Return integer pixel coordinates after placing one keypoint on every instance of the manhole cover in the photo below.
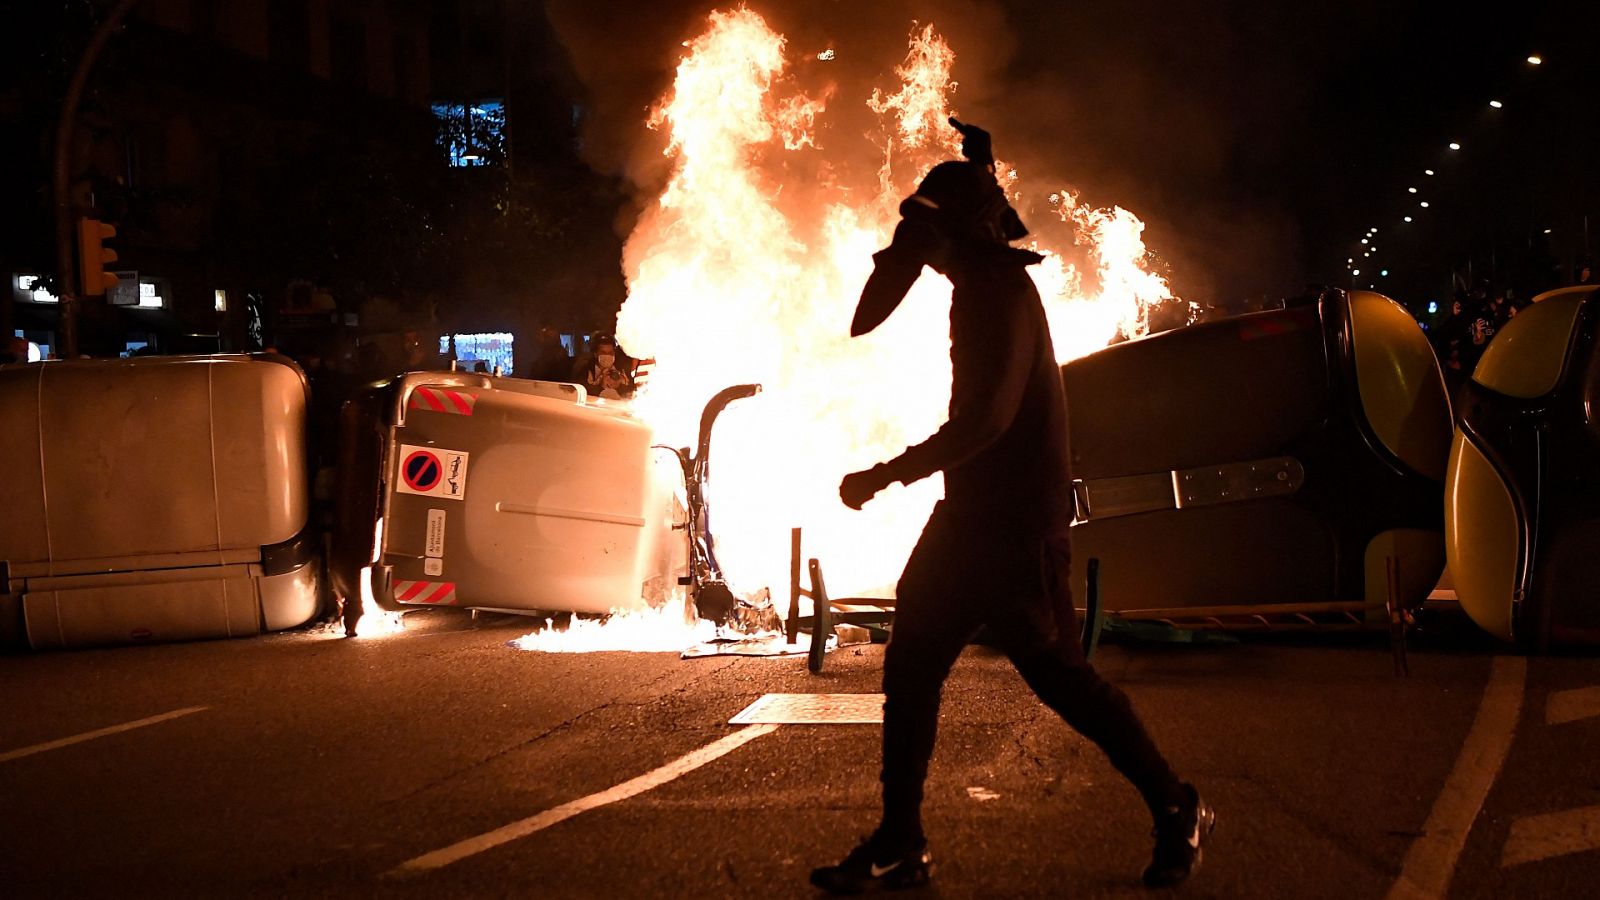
(813, 709)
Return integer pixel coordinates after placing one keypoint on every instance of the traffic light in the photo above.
(93, 256)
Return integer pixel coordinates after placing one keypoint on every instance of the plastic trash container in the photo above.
(1522, 509)
(154, 499)
(1263, 469)
(460, 489)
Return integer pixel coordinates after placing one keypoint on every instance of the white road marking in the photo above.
(1570, 706)
(99, 733)
(520, 829)
(812, 709)
(1431, 861)
(1550, 835)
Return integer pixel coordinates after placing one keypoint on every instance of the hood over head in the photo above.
(958, 207)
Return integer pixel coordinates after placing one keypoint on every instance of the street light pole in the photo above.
(66, 274)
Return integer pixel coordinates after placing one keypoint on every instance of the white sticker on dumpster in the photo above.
(435, 541)
(432, 472)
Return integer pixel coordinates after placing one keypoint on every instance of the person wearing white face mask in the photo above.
(606, 373)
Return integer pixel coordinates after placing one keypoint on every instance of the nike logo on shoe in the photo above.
(880, 871)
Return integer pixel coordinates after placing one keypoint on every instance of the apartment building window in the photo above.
(472, 134)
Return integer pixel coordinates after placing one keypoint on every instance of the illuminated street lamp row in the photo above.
(1533, 60)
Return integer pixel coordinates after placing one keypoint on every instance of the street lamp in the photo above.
(1427, 171)
(1496, 104)
(1408, 218)
(1535, 61)
(1424, 204)
(1412, 190)
(1454, 146)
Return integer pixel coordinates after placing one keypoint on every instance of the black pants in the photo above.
(965, 574)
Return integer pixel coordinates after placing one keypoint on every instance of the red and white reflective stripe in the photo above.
(440, 400)
(433, 593)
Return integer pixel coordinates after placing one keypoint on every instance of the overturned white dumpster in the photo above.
(153, 499)
(459, 489)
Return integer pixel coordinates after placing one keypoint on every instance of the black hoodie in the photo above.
(1004, 450)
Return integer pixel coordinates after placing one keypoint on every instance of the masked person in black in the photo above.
(995, 551)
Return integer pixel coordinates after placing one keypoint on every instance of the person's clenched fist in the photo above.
(859, 487)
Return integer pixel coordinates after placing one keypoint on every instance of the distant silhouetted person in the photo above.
(551, 362)
(415, 354)
(995, 551)
(1481, 327)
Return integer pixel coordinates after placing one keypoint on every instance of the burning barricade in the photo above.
(744, 271)
(747, 266)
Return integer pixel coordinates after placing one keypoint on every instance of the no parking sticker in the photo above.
(432, 472)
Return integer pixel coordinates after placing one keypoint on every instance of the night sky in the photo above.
(1258, 140)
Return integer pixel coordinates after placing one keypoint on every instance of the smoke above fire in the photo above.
(746, 265)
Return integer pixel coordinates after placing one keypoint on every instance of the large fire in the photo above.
(747, 269)
(730, 282)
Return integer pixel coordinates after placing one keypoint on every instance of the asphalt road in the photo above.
(309, 765)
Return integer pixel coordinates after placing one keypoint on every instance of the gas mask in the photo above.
(958, 206)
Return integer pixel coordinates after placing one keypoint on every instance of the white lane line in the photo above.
(1570, 706)
(99, 733)
(1550, 835)
(1431, 861)
(520, 829)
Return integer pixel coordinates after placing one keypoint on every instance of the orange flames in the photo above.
(748, 267)
(729, 283)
